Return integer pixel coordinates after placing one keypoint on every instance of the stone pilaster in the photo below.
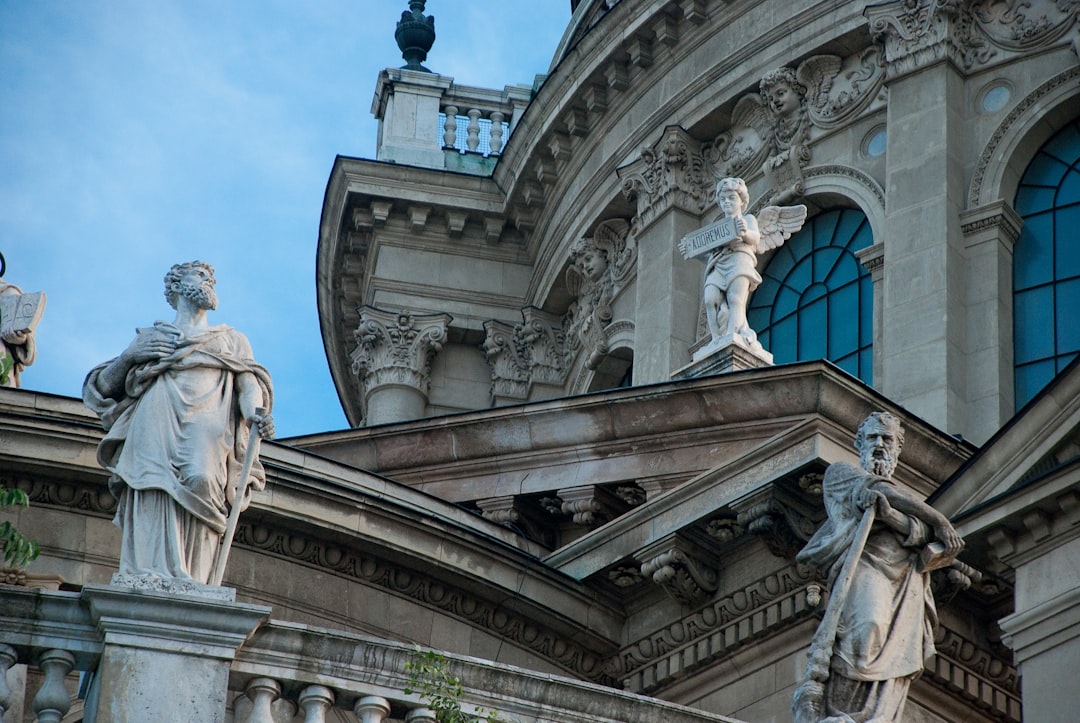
(873, 260)
(685, 567)
(393, 360)
(672, 190)
(923, 347)
(989, 232)
(165, 656)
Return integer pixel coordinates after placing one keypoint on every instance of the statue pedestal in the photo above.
(166, 654)
(730, 354)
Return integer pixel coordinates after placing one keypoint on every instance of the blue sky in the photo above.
(137, 134)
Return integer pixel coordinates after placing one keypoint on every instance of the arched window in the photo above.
(1046, 265)
(816, 301)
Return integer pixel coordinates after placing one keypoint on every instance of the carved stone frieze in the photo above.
(600, 266)
(683, 567)
(964, 668)
(729, 623)
(669, 174)
(915, 33)
(397, 347)
(351, 562)
(781, 520)
(772, 129)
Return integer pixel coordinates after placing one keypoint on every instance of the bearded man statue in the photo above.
(887, 617)
(178, 405)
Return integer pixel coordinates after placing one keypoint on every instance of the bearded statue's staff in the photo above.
(179, 406)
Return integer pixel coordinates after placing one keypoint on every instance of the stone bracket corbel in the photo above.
(783, 522)
(683, 565)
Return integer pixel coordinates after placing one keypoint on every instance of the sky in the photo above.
(136, 134)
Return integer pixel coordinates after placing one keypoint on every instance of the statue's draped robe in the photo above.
(174, 439)
(886, 628)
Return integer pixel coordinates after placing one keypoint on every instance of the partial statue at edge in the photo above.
(733, 244)
(19, 316)
(182, 406)
(879, 545)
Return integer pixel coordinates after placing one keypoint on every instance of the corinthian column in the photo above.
(393, 358)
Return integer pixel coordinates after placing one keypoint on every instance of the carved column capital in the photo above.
(545, 342)
(684, 567)
(669, 174)
(395, 348)
(993, 221)
(507, 355)
(873, 260)
(917, 33)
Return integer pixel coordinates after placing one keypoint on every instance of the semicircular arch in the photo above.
(1030, 123)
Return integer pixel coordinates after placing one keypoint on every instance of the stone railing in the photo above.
(479, 120)
(279, 671)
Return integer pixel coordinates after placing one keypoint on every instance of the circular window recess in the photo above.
(995, 96)
(873, 143)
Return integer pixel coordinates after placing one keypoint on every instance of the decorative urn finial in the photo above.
(415, 35)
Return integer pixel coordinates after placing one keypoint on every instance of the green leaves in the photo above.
(430, 679)
(17, 549)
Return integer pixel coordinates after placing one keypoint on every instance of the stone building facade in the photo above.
(535, 477)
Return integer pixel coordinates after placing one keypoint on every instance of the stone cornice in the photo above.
(620, 429)
(998, 216)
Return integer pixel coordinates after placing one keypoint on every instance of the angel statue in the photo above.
(733, 244)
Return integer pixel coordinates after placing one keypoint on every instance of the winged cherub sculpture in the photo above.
(732, 244)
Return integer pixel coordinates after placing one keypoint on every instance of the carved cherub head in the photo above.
(782, 92)
(732, 196)
(879, 440)
(193, 280)
(590, 259)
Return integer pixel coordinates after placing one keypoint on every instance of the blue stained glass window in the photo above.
(816, 301)
(1046, 265)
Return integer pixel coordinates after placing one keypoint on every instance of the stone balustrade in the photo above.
(279, 672)
(479, 120)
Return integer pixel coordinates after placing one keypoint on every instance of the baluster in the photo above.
(262, 692)
(372, 709)
(52, 701)
(314, 701)
(473, 130)
(496, 141)
(8, 658)
(449, 136)
(420, 715)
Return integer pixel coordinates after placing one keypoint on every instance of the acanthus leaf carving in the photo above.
(685, 568)
(669, 174)
(782, 522)
(507, 354)
(396, 347)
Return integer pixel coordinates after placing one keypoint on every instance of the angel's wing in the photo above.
(777, 223)
(817, 74)
(575, 280)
